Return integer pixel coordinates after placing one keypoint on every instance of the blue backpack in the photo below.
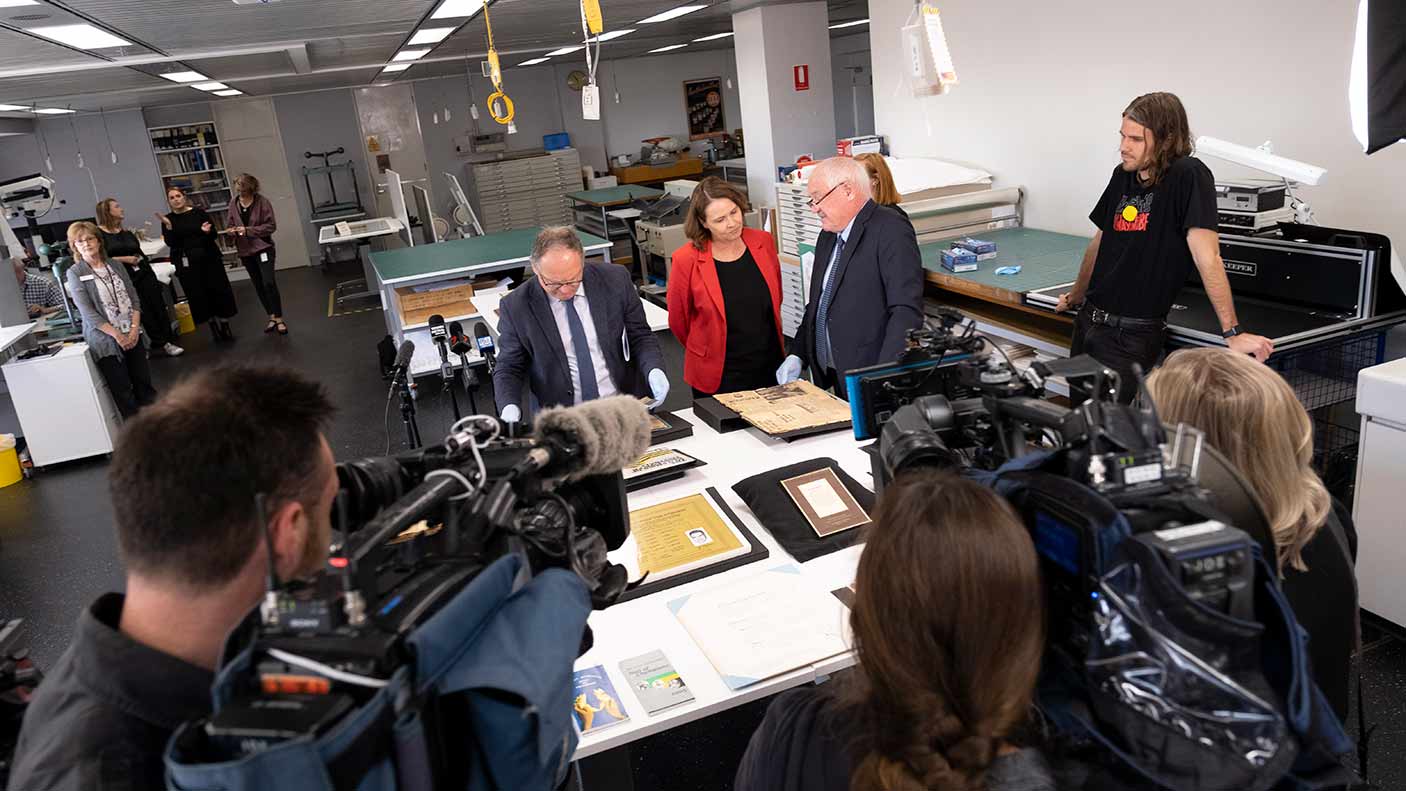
(499, 655)
(1170, 692)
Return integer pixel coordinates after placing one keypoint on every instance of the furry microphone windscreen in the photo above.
(611, 433)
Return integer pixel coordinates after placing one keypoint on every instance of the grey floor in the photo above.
(57, 551)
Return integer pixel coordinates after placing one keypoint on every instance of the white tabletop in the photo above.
(155, 248)
(736, 162)
(642, 625)
(9, 336)
(655, 316)
(360, 229)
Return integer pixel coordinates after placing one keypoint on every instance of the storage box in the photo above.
(556, 141)
(978, 246)
(865, 144)
(416, 308)
(958, 260)
(718, 417)
(602, 182)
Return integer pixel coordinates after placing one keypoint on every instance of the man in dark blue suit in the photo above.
(866, 289)
(575, 334)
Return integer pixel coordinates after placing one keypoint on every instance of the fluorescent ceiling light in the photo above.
(533, 62)
(671, 46)
(184, 76)
(410, 54)
(850, 24)
(563, 51)
(210, 86)
(230, 92)
(451, 9)
(715, 36)
(52, 111)
(672, 13)
(396, 67)
(616, 34)
(430, 35)
(12, 108)
(13, 3)
(82, 36)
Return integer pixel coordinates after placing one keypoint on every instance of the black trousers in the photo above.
(1118, 348)
(261, 275)
(128, 377)
(152, 302)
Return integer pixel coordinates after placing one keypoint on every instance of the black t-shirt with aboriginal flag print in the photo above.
(1143, 258)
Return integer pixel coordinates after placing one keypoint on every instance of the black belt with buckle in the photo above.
(1101, 316)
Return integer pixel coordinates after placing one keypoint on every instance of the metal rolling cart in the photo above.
(335, 208)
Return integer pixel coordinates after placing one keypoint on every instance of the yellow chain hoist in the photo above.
(495, 73)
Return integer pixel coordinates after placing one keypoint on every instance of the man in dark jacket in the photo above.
(866, 290)
(183, 480)
(575, 334)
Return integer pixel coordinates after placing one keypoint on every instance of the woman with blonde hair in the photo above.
(948, 623)
(112, 319)
(123, 246)
(881, 182)
(1252, 416)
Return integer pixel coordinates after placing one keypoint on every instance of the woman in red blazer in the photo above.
(725, 295)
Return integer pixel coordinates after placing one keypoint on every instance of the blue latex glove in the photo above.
(511, 414)
(659, 386)
(789, 371)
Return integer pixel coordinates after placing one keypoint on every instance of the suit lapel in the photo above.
(856, 232)
(601, 311)
(709, 267)
(547, 323)
(824, 248)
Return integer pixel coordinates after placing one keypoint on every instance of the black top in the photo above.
(123, 243)
(804, 744)
(103, 714)
(1324, 600)
(190, 245)
(1143, 258)
(244, 211)
(753, 349)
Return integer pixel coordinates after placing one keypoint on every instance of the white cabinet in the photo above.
(1377, 505)
(63, 405)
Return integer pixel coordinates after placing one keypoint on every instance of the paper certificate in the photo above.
(785, 408)
(657, 460)
(657, 423)
(825, 502)
(681, 535)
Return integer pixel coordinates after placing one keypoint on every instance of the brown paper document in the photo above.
(785, 408)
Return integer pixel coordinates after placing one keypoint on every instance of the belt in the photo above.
(1101, 316)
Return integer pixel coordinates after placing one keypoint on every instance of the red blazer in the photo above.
(696, 314)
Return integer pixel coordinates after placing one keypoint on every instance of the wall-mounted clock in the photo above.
(576, 80)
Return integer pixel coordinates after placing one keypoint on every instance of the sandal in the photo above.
(282, 328)
(271, 326)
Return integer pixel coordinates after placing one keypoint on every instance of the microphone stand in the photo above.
(470, 383)
(407, 408)
(446, 373)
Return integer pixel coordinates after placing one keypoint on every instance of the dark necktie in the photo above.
(823, 353)
(585, 364)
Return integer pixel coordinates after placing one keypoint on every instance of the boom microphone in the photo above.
(484, 341)
(595, 438)
(402, 357)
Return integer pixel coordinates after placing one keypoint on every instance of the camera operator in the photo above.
(1250, 414)
(183, 480)
(940, 692)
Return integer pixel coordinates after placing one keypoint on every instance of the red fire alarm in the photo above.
(802, 75)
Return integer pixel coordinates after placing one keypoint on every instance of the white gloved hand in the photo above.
(511, 414)
(659, 386)
(789, 371)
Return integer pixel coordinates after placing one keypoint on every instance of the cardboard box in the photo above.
(959, 260)
(602, 182)
(865, 144)
(416, 308)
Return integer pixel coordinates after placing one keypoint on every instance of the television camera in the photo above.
(415, 530)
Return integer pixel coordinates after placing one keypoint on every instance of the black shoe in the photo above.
(227, 330)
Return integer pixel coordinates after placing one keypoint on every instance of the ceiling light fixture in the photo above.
(714, 37)
(210, 86)
(184, 76)
(451, 9)
(82, 36)
(396, 67)
(616, 34)
(410, 54)
(230, 92)
(534, 61)
(563, 51)
(14, 3)
(672, 13)
(430, 35)
(671, 46)
(849, 24)
(12, 108)
(52, 111)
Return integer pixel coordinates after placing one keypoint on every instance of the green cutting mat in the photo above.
(609, 196)
(1045, 258)
(459, 254)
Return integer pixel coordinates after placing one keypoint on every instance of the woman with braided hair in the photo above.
(948, 624)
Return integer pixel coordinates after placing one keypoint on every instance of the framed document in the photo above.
(825, 502)
(682, 540)
(703, 101)
(667, 427)
(657, 465)
(790, 411)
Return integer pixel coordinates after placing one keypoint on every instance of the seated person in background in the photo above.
(881, 181)
(725, 295)
(183, 482)
(566, 346)
(866, 291)
(948, 624)
(40, 293)
(1250, 414)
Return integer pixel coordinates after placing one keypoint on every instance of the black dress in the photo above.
(155, 320)
(753, 349)
(199, 265)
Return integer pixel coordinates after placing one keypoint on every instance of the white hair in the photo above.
(841, 170)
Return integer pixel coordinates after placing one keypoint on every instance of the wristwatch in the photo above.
(1232, 332)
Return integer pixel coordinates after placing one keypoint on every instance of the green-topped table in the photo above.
(460, 259)
(606, 211)
(1045, 259)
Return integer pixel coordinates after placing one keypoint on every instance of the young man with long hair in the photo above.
(1156, 219)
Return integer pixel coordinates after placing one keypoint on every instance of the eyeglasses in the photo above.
(552, 285)
(815, 204)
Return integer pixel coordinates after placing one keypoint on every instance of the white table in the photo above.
(645, 624)
(362, 232)
(734, 164)
(155, 248)
(64, 408)
(9, 336)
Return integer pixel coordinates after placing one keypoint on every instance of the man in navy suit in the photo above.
(866, 289)
(576, 334)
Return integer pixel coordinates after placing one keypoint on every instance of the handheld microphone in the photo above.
(459, 343)
(440, 336)
(484, 341)
(595, 438)
(402, 358)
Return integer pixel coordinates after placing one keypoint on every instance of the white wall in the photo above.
(651, 96)
(1043, 86)
(853, 75)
